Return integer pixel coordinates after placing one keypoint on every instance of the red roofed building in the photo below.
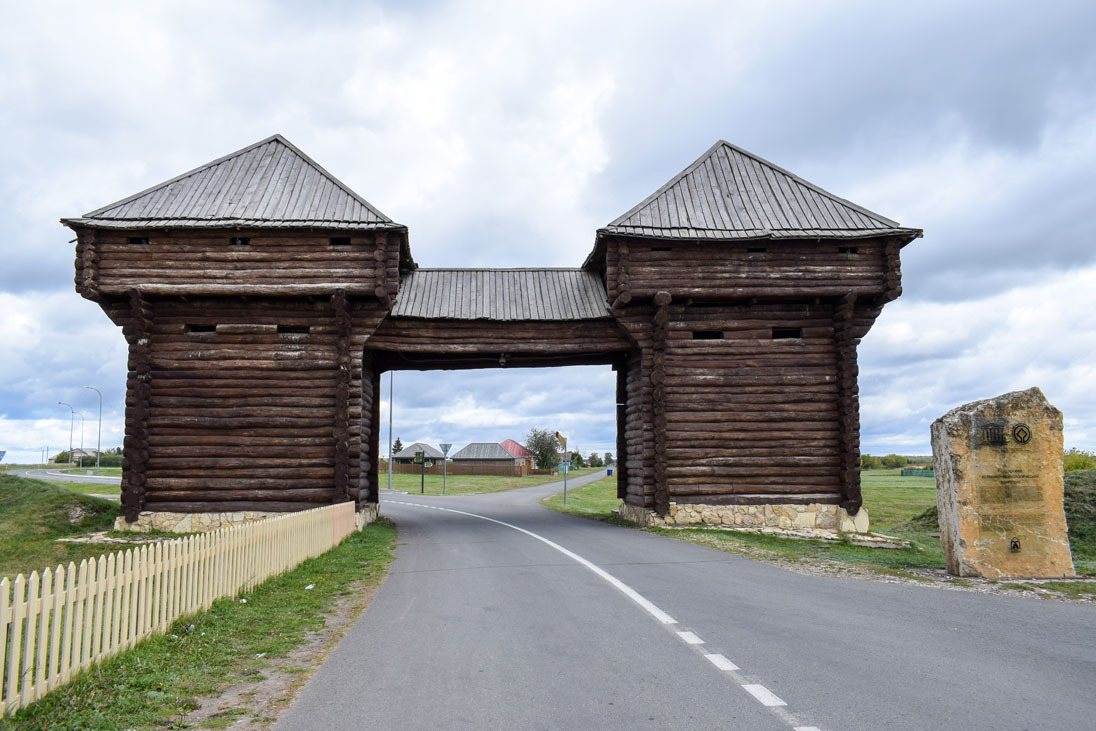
(522, 456)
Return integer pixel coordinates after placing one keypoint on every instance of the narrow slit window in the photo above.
(707, 334)
(240, 241)
(292, 329)
(660, 248)
(787, 333)
(756, 250)
(340, 241)
(847, 249)
(194, 329)
(138, 240)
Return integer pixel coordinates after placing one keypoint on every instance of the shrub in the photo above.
(1076, 459)
(868, 462)
(894, 461)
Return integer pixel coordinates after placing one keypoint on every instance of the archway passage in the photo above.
(262, 298)
(458, 319)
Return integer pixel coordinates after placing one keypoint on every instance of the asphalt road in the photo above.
(57, 476)
(483, 626)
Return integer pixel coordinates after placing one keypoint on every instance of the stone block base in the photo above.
(811, 516)
(367, 514)
(188, 522)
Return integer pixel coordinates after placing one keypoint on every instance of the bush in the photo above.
(894, 461)
(1076, 459)
(868, 462)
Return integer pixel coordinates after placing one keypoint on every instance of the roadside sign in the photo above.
(419, 456)
(428, 463)
(566, 464)
(445, 449)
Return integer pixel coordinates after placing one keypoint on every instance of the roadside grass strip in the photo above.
(760, 693)
(156, 683)
(471, 484)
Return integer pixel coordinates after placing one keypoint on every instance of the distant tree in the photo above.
(1075, 459)
(397, 446)
(608, 459)
(544, 446)
(594, 460)
(577, 462)
(894, 461)
(868, 462)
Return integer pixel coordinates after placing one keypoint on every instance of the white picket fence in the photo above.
(55, 624)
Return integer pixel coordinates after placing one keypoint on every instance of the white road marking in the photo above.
(763, 694)
(628, 591)
(721, 662)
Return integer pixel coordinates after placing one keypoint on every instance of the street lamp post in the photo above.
(72, 422)
(99, 438)
(80, 464)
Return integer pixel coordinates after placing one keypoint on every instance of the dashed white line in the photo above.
(806, 728)
(690, 638)
(721, 662)
(763, 694)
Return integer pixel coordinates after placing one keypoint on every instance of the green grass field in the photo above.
(472, 484)
(900, 506)
(34, 513)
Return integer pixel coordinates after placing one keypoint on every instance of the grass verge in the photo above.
(34, 513)
(103, 471)
(473, 484)
(89, 488)
(156, 683)
(900, 506)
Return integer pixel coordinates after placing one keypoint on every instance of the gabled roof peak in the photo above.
(268, 184)
(730, 193)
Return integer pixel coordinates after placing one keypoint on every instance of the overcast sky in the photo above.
(505, 135)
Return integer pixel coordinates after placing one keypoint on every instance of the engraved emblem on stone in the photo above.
(994, 433)
(1021, 433)
(1014, 545)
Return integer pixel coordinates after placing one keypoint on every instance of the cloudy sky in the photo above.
(504, 134)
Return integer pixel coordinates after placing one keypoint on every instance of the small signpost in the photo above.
(444, 464)
(566, 463)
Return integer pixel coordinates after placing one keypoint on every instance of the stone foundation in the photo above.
(368, 513)
(811, 516)
(203, 522)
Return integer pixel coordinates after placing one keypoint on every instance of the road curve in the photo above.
(488, 625)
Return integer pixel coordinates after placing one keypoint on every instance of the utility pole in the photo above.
(72, 422)
(444, 464)
(99, 439)
(391, 389)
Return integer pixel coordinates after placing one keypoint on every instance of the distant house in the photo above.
(407, 454)
(522, 456)
(484, 453)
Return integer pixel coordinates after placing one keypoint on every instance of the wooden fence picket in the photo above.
(57, 622)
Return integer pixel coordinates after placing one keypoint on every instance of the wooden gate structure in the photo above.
(262, 300)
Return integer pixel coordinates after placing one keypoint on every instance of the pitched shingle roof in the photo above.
(483, 450)
(501, 294)
(426, 449)
(732, 194)
(270, 184)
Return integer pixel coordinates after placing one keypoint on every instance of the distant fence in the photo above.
(918, 473)
(498, 470)
(54, 625)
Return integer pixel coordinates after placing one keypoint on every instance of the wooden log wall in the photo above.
(726, 271)
(138, 333)
(241, 416)
(271, 263)
(848, 390)
(749, 418)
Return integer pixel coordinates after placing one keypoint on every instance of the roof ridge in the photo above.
(497, 269)
(669, 184)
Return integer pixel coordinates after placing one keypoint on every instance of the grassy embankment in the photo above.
(473, 484)
(103, 471)
(156, 683)
(899, 506)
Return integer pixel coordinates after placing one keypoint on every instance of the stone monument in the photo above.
(999, 488)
